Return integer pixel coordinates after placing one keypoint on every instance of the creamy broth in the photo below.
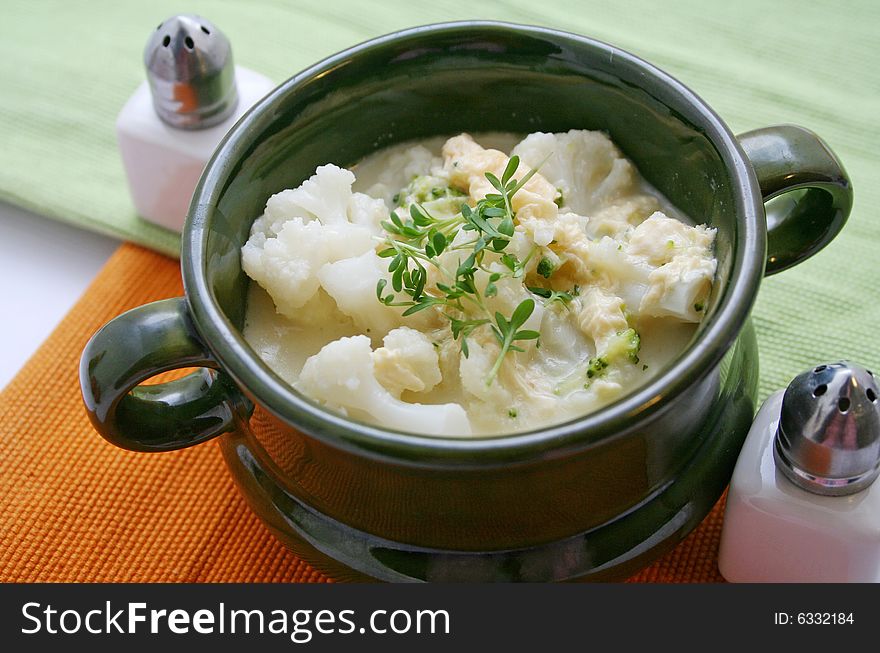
(632, 272)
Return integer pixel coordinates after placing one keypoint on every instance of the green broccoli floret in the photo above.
(422, 188)
(625, 344)
(546, 267)
(433, 193)
(425, 188)
(597, 367)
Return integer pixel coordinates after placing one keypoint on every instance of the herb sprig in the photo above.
(415, 243)
(508, 331)
(551, 296)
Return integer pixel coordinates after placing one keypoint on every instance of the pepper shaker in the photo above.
(171, 125)
(803, 505)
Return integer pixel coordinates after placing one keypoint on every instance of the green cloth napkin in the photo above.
(67, 68)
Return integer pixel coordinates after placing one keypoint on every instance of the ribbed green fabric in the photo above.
(67, 67)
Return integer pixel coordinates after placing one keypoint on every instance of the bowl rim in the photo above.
(609, 423)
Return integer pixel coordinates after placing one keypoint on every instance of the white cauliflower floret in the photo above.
(619, 218)
(368, 212)
(286, 265)
(538, 231)
(608, 259)
(585, 165)
(303, 229)
(520, 245)
(324, 196)
(266, 227)
(679, 289)
(474, 370)
(405, 163)
(564, 229)
(408, 361)
(659, 239)
(467, 162)
(624, 275)
(320, 311)
(410, 162)
(563, 345)
(566, 240)
(351, 282)
(342, 376)
(571, 230)
(521, 386)
(327, 197)
(601, 317)
(510, 294)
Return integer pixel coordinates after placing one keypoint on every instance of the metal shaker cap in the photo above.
(190, 72)
(828, 440)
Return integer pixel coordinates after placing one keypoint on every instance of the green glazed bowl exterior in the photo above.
(414, 507)
(595, 498)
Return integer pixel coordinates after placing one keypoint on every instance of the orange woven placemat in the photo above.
(74, 508)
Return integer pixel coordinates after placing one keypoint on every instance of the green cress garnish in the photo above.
(413, 243)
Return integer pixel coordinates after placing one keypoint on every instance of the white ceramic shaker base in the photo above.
(775, 531)
(163, 163)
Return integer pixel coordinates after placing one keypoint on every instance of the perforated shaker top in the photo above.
(828, 440)
(190, 72)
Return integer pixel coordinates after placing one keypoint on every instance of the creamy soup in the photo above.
(468, 286)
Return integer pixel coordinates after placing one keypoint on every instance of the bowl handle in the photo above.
(137, 345)
(789, 158)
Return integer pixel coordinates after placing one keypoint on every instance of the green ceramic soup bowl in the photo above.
(595, 498)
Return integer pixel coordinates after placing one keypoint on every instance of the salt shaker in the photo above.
(803, 504)
(171, 125)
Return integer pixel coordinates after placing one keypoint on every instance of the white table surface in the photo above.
(45, 266)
